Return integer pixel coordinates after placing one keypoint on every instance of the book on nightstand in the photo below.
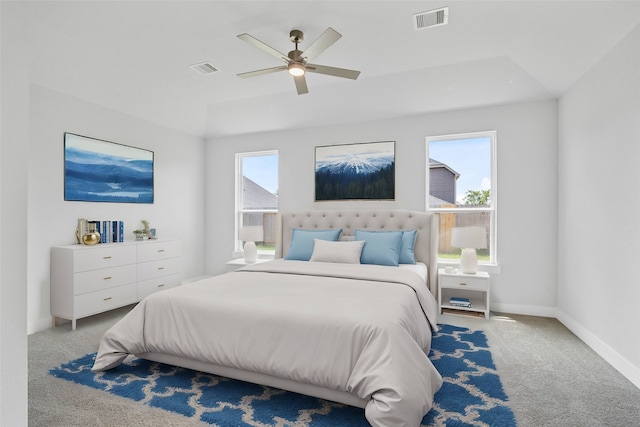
(460, 302)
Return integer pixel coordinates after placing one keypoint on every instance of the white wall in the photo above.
(177, 211)
(14, 143)
(527, 174)
(599, 207)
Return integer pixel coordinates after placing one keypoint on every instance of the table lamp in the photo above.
(469, 239)
(250, 235)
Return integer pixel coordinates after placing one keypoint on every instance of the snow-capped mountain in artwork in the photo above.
(355, 164)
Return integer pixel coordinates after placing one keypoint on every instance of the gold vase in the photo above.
(92, 237)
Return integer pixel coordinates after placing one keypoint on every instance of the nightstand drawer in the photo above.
(464, 282)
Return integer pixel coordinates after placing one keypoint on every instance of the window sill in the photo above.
(261, 254)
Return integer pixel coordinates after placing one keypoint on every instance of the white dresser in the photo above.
(87, 280)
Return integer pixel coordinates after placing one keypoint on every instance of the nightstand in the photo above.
(237, 263)
(474, 287)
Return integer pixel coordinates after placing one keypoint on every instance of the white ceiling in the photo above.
(134, 56)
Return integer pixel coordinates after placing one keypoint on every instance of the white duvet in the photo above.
(363, 329)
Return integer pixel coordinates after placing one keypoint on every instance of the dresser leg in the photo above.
(53, 321)
(73, 324)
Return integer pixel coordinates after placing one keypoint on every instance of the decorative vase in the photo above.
(92, 237)
(79, 230)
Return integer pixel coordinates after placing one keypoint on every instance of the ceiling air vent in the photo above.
(204, 68)
(432, 18)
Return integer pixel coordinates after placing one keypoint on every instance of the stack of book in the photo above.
(459, 302)
(110, 231)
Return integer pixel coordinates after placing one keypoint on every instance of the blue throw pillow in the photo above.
(407, 253)
(302, 242)
(380, 247)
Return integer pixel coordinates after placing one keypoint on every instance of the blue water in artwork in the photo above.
(95, 177)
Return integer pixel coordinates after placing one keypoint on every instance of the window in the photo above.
(462, 188)
(257, 197)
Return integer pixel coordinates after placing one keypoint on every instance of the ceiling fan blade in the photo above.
(263, 47)
(333, 71)
(301, 85)
(261, 72)
(326, 39)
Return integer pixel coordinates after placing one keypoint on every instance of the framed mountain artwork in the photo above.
(363, 171)
(103, 171)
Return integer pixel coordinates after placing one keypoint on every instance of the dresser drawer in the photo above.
(159, 250)
(464, 282)
(107, 299)
(103, 257)
(163, 267)
(149, 287)
(95, 280)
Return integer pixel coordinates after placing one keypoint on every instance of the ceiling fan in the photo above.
(298, 62)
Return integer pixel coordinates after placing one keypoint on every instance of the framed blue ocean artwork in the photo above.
(103, 171)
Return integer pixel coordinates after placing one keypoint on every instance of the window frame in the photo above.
(492, 209)
(238, 207)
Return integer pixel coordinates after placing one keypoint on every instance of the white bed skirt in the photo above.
(257, 378)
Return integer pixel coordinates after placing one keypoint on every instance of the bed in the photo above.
(357, 334)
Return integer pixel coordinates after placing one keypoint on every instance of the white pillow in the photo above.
(342, 252)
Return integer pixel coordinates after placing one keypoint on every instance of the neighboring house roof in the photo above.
(437, 164)
(256, 197)
(442, 184)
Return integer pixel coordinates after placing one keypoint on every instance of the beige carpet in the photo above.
(550, 376)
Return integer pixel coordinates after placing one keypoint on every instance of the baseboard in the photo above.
(527, 310)
(38, 325)
(622, 365)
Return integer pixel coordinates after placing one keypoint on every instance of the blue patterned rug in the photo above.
(471, 395)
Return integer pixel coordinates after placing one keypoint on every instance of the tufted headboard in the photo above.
(426, 248)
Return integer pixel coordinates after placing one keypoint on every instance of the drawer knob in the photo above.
(463, 284)
(160, 250)
(106, 257)
(107, 278)
(107, 298)
(160, 268)
(161, 285)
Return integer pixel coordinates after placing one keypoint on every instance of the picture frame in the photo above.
(96, 170)
(359, 171)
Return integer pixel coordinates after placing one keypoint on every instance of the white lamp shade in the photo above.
(251, 233)
(469, 237)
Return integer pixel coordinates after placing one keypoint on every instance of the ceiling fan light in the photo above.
(296, 69)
